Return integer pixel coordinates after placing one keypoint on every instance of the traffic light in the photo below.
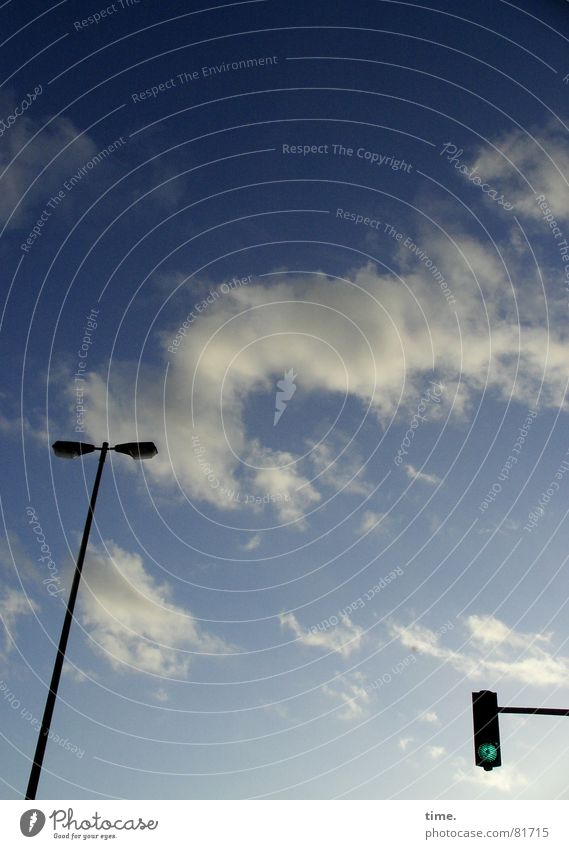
(486, 729)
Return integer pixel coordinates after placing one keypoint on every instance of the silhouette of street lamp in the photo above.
(70, 450)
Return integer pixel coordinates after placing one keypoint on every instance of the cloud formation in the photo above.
(415, 474)
(133, 621)
(371, 338)
(252, 543)
(372, 521)
(28, 148)
(436, 752)
(505, 780)
(352, 693)
(343, 639)
(494, 651)
(430, 717)
(526, 165)
(13, 606)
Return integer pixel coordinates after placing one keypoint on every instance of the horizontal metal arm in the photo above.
(543, 711)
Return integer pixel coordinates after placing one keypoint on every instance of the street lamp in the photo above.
(70, 450)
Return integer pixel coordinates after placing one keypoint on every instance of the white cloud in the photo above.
(419, 639)
(13, 424)
(415, 474)
(404, 743)
(338, 465)
(279, 709)
(495, 652)
(22, 160)
(253, 543)
(133, 621)
(429, 716)
(76, 674)
(10, 427)
(14, 558)
(505, 780)
(490, 631)
(161, 695)
(379, 337)
(521, 159)
(344, 638)
(505, 528)
(282, 483)
(373, 521)
(436, 752)
(352, 693)
(13, 605)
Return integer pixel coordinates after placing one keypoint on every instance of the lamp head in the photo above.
(70, 450)
(137, 450)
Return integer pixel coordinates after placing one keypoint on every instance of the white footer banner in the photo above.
(285, 824)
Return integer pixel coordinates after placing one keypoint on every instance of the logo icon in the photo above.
(32, 822)
(286, 389)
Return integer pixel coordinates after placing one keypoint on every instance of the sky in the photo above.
(319, 254)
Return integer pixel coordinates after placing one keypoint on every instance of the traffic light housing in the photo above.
(486, 729)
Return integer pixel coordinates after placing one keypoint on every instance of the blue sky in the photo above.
(361, 214)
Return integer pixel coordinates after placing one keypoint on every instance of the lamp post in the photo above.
(70, 450)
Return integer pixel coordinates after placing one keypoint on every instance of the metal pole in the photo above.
(58, 666)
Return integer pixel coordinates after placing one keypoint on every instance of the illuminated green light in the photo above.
(488, 752)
